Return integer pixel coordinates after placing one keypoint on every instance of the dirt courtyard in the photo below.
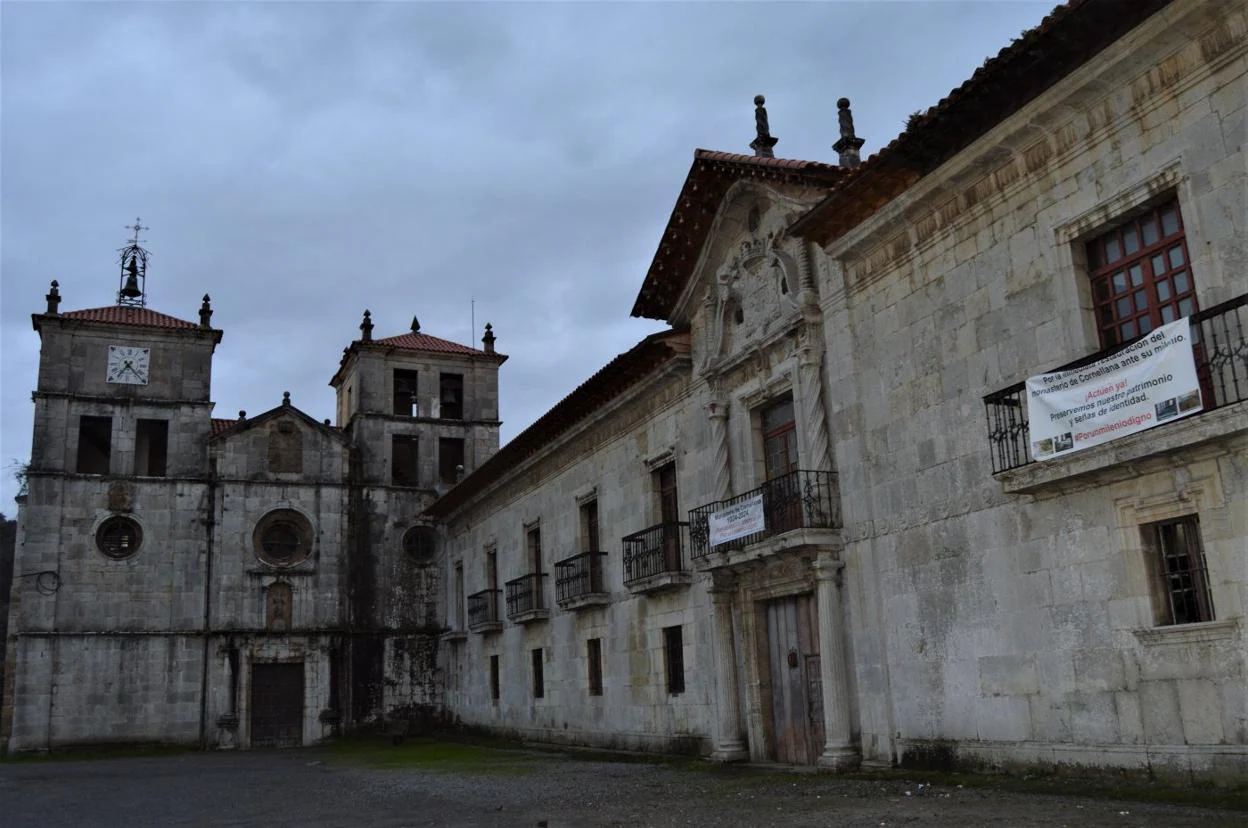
(424, 783)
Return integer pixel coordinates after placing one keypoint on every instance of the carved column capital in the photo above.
(828, 568)
(723, 586)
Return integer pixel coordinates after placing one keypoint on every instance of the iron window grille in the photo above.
(119, 537)
(1182, 577)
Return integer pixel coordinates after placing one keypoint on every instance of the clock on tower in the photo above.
(128, 365)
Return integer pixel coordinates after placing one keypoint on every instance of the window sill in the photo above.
(1120, 459)
(1188, 633)
(455, 636)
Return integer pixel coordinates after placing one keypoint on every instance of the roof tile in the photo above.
(121, 315)
(425, 342)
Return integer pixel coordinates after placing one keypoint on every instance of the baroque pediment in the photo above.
(752, 283)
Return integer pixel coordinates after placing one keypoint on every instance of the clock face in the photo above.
(128, 365)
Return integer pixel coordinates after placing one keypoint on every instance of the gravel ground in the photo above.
(515, 788)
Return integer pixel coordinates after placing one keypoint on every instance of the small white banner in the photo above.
(1148, 383)
(737, 521)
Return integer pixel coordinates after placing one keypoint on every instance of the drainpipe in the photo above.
(210, 524)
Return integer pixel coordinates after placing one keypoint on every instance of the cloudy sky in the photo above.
(304, 161)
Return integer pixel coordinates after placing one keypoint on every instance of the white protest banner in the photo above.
(1148, 383)
(737, 521)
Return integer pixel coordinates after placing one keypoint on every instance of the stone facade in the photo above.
(906, 602)
(233, 583)
(1009, 618)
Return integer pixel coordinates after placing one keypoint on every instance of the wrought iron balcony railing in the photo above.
(524, 594)
(579, 576)
(656, 550)
(483, 609)
(797, 500)
(1220, 347)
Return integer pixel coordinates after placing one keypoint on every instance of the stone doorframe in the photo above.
(738, 594)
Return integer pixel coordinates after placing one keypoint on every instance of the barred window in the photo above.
(1181, 580)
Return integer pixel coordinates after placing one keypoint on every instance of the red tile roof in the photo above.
(759, 161)
(219, 426)
(1070, 36)
(709, 179)
(425, 342)
(120, 315)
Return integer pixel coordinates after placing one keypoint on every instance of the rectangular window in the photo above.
(95, 441)
(405, 393)
(451, 396)
(589, 527)
(1181, 581)
(404, 460)
(779, 439)
(674, 657)
(1140, 275)
(457, 587)
(593, 653)
(494, 678)
(151, 447)
(533, 546)
(539, 680)
(665, 488)
(450, 459)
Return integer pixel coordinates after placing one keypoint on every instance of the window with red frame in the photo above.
(1140, 275)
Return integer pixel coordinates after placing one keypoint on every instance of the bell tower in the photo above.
(117, 507)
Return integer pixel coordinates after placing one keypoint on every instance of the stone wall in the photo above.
(1019, 627)
(609, 458)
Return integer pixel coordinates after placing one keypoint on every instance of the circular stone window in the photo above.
(119, 537)
(419, 542)
(283, 538)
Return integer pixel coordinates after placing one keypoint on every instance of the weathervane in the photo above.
(132, 284)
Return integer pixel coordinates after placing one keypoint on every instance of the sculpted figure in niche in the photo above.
(278, 609)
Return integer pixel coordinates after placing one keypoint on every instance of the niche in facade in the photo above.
(285, 448)
(279, 600)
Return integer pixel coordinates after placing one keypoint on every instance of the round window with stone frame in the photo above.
(283, 537)
(119, 537)
(420, 544)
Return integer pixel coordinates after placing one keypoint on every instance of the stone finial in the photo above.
(205, 313)
(286, 399)
(367, 327)
(488, 339)
(54, 299)
(326, 421)
(415, 325)
(848, 145)
(763, 141)
(242, 415)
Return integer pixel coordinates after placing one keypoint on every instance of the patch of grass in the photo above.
(435, 755)
(1093, 785)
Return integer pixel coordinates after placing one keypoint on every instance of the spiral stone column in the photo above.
(814, 420)
(721, 471)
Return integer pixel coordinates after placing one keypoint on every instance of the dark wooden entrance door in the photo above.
(796, 686)
(277, 705)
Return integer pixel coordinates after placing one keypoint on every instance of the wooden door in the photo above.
(796, 685)
(277, 705)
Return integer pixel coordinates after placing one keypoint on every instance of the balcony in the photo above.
(525, 599)
(794, 502)
(579, 581)
(655, 559)
(483, 614)
(1219, 339)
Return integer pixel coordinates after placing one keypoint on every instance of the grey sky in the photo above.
(303, 161)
